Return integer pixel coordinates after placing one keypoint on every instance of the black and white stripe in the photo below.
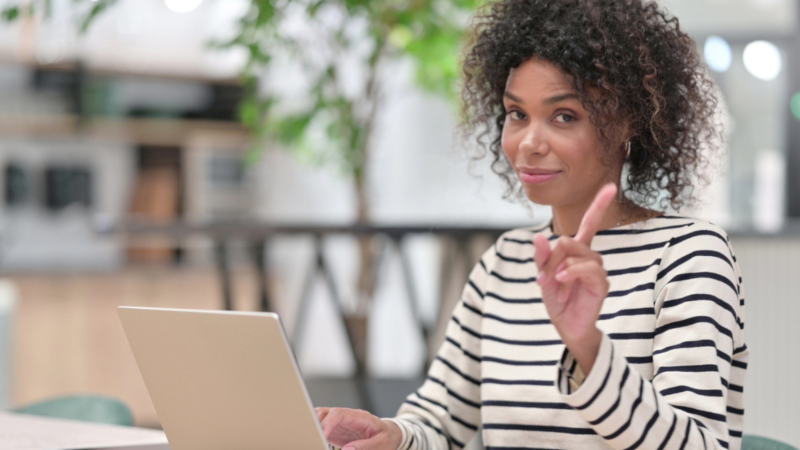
(669, 375)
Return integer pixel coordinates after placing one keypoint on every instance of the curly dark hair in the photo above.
(636, 63)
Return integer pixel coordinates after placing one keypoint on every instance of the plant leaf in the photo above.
(98, 8)
(10, 13)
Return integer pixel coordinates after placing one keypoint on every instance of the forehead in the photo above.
(537, 77)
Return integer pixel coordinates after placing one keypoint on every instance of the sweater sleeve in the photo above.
(695, 399)
(444, 413)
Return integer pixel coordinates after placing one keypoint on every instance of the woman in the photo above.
(627, 335)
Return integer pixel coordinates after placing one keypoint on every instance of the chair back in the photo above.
(750, 442)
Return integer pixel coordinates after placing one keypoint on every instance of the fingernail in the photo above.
(561, 276)
(542, 278)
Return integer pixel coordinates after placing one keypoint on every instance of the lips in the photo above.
(537, 176)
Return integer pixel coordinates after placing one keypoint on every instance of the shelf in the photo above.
(144, 131)
(73, 66)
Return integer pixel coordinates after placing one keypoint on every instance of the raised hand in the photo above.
(353, 429)
(574, 283)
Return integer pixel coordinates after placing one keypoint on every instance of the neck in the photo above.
(567, 218)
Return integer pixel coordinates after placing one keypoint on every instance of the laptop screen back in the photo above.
(222, 379)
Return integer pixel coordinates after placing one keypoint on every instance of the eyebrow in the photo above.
(548, 101)
(560, 98)
(512, 97)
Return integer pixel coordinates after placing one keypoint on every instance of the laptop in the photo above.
(222, 379)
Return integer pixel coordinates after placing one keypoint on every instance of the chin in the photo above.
(543, 196)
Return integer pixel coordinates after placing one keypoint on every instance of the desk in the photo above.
(26, 432)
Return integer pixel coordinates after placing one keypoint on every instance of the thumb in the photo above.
(372, 443)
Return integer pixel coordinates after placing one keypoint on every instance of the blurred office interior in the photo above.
(136, 122)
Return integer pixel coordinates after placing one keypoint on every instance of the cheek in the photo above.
(581, 155)
(573, 158)
(509, 144)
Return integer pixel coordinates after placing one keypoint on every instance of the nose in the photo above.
(533, 142)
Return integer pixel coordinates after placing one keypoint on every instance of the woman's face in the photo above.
(548, 138)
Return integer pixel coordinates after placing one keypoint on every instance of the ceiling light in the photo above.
(717, 53)
(762, 59)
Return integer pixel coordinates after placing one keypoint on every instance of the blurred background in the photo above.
(216, 154)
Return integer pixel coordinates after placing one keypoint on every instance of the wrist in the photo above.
(586, 348)
(395, 433)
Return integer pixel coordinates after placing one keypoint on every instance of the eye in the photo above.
(515, 114)
(564, 118)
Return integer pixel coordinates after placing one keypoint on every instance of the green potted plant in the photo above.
(429, 32)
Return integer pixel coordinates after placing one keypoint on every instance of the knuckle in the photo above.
(573, 260)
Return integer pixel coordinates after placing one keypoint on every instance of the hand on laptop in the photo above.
(354, 429)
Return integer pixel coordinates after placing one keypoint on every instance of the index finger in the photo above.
(593, 216)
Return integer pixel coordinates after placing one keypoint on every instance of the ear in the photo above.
(626, 137)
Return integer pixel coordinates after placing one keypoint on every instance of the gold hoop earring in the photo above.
(628, 150)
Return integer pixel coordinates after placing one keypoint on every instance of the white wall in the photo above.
(770, 267)
(746, 17)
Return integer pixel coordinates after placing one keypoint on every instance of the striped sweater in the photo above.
(669, 373)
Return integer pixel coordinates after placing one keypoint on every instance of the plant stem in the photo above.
(366, 245)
